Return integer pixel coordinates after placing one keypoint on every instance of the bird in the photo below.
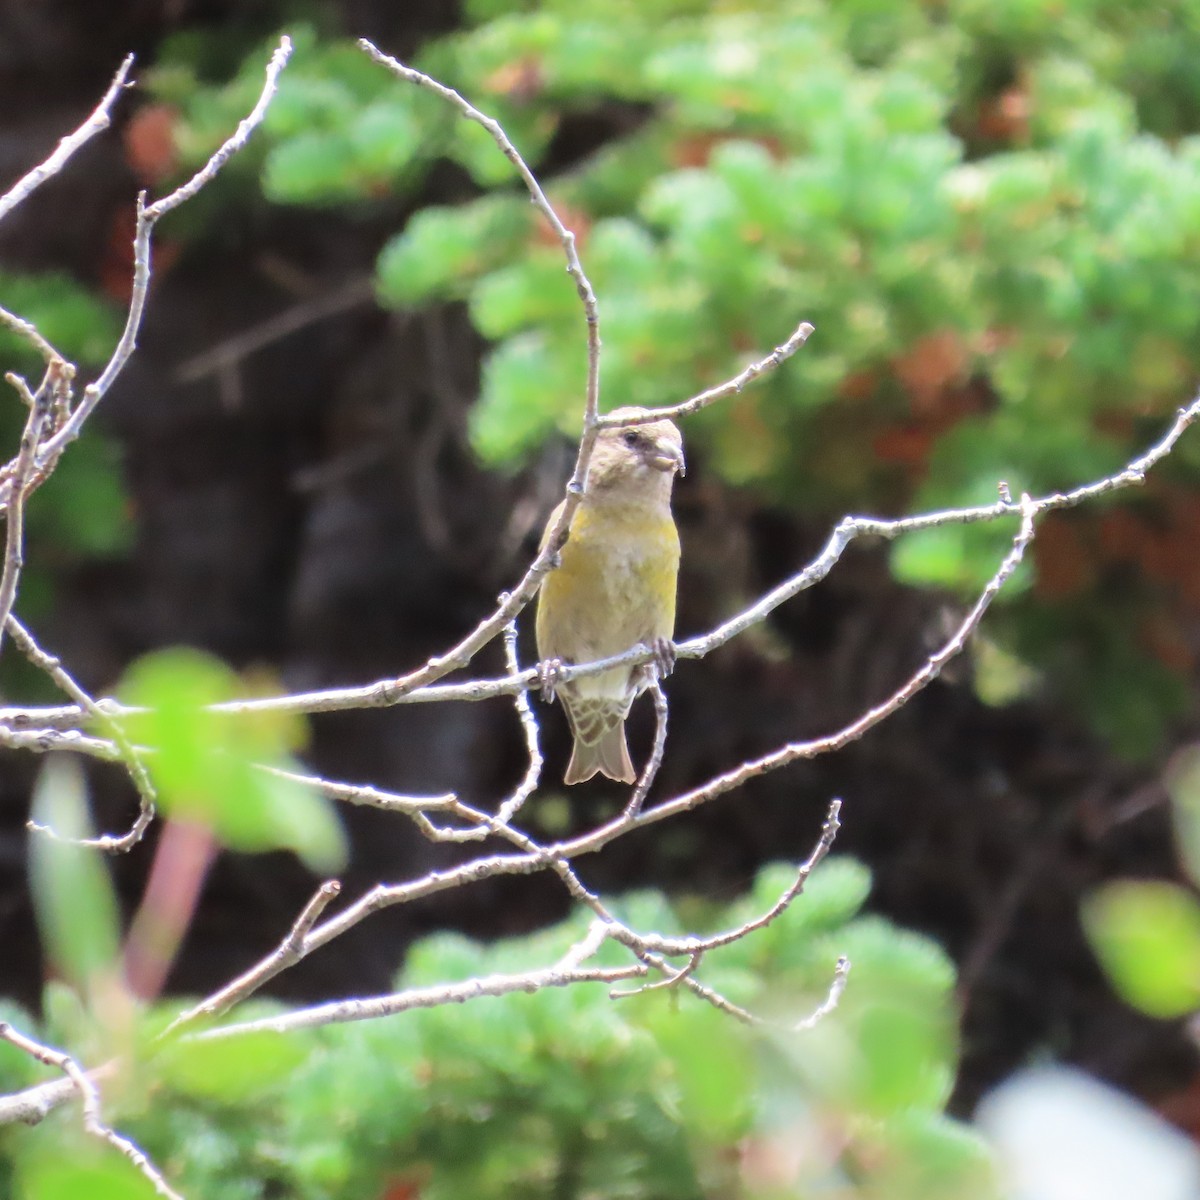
(613, 588)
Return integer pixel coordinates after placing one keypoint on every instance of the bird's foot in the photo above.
(664, 656)
(548, 674)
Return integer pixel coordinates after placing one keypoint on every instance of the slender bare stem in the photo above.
(30, 332)
(289, 951)
(100, 119)
(461, 654)
(93, 1122)
(650, 771)
(431, 997)
(14, 533)
(148, 215)
(53, 667)
(731, 387)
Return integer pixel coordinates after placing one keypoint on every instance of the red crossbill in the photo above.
(614, 588)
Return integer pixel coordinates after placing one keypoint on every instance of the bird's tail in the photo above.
(608, 754)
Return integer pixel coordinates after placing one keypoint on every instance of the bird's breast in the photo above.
(616, 584)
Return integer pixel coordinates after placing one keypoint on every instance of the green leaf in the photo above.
(434, 256)
(535, 292)
(313, 167)
(75, 322)
(71, 1166)
(87, 510)
(928, 1156)
(712, 1061)
(1000, 677)
(527, 384)
(303, 102)
(905, 1056)
(230, 1070)
(177, 687)
(384, 139)
(1147, 938)
(76, 908)
(209, 766)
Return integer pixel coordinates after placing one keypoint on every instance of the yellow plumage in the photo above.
(615, 588)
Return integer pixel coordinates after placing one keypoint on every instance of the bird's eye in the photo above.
(631, 437)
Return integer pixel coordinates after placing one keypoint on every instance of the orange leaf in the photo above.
(150, 143)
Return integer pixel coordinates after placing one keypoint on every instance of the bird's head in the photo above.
(636, 458)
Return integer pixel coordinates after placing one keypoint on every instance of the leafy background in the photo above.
(988, 210)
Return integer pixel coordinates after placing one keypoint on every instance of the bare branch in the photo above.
(14, 533)
(228, 353)
(366, 795)
(574, 267)
(289, 951)
(32, 1105)
(701, 945)
(461, 654)
(93, 1123)
(795, 751)
(431, 997)
(30, 332)
(100, 119)
(129, 756)
(147, 217)
(529, 727)
(841, 973)
(671, 980)
(47, 741)
(730, 388)
(642, 788)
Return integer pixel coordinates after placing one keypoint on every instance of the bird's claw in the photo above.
(664, 656)
(548, 673)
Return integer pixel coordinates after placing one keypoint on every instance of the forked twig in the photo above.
(86, 1088)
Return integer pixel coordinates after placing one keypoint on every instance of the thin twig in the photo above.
(730, 388)
(289, 951)
(48, 741)
(100, 119)
(231, 351)
(650, 771)
(93, 1123)
(364, 794)
(14, 534)
(841, 973)
(430, 997)
(147, 217)
(52, 666)
(700, 945)
(30, 332)
(460, 655)
(674, 979)
(529, 727)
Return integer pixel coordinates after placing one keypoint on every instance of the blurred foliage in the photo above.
(1147, 937)
(567, 1091)
(1146, 933)
(76, 906)
(989, 210)
(79, 326)
(220, 769)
